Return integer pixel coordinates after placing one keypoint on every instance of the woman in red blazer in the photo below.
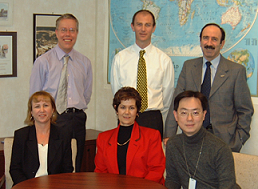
(130, 149)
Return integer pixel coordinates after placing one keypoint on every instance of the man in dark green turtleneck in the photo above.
(196, 158)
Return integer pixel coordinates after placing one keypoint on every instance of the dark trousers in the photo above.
(74, 124)
(152, 119)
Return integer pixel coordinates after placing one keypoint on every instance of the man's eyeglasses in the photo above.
(71, 30)
(186, 114)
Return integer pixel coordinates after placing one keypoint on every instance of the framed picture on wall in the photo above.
(8, 54)
(6, 12)
(44, 36)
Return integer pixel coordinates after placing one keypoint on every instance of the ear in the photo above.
(175, 114)
(222, 44)
(115, 109)
(132, 26)
(204, 113)
(153, 30)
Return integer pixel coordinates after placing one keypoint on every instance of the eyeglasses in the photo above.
(71, 30)
(186, 114)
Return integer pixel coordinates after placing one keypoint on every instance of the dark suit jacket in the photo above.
(230, 102)
(145, 156)
(25, 158)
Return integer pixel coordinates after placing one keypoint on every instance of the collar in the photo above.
(214, 62)
(138, 49)
(196, 138)
(60, 53)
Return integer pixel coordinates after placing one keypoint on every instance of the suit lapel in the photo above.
(197, 73)
(32, 143)
(53, 145)
(221, 76)
(133, 145)
(112, 147)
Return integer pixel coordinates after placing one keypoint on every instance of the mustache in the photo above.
(209, 47)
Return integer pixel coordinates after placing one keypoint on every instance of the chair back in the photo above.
(74, 152)
(246, 167)
(8, 145)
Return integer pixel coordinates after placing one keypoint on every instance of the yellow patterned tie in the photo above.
(142, 81)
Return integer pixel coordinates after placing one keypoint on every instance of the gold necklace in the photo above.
(124, 142)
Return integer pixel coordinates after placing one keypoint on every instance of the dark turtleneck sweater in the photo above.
(216, 164)
(123, 135)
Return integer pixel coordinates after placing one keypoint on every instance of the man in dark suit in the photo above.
(230, 104)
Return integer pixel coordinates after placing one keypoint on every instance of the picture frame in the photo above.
(6, 12)
(8, 54)
(44, 37)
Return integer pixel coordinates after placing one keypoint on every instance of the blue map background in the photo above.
(178, 28)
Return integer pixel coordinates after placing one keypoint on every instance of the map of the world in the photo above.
(179, 23)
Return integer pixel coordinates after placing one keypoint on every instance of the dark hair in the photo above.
(223, 34)
(189, 94)
(67, 16)
(126, 93)
(146, 11)
(35, 98)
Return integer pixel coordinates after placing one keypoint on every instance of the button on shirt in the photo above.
(160, 75)
(47, 70)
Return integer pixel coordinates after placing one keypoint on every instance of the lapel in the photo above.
(221, 75)
(112, 147)
(32, 143)
(133, 145)
(53, 144)
(197, 73)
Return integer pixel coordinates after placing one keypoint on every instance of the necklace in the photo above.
(197, 160)
(124, 142)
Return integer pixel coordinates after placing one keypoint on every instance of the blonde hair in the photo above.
(35, 98)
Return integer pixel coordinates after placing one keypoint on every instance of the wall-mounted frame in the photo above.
(6, 12)
(44, 37)
(8, 54)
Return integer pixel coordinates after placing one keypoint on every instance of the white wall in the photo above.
(92, 41)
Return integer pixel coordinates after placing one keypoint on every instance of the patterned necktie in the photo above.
(142, 81)
(205, 89)
(61, 99)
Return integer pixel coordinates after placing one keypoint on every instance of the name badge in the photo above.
(192, 183)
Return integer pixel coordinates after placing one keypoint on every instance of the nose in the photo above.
(189, 116)
(127, 110)
(42, 108)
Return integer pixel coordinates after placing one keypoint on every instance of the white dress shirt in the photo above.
(160, 75)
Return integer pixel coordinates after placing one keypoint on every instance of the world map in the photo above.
(178, 26)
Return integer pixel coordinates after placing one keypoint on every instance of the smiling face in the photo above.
(66, 34)
(210, 42)
(143, 28)
(190, 115)
(42, 110)
(127, 112)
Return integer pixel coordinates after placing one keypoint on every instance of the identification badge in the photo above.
(192, 183)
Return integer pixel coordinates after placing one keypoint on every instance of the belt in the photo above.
(72, 110)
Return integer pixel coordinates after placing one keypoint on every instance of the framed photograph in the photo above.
(8, 54)
(44, 36)
(6, 12)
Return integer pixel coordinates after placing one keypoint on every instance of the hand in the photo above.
(165, 141)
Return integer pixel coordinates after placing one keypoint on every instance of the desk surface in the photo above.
(88, 180)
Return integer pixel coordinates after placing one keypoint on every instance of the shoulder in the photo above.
(80, 57)
(107, 133)
(231, 65)
(194, 60)
(215, 144)
(23, 133)
(161, 53)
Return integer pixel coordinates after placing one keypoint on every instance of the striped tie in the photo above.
(142, 81)
(61, 99)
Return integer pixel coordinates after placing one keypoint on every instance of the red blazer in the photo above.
(145, 156)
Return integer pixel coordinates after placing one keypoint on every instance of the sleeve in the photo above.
(156, 159)
(225, 168)
(38, 76)
(167, 87)
(88, 84)
(172, 177)
(114, 75)
(100, 166)
(171, 124)
(243, 105)
(16, 170)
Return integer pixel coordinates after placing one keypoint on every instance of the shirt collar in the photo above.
(214, 62)
(138, 49)
(60, 53)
